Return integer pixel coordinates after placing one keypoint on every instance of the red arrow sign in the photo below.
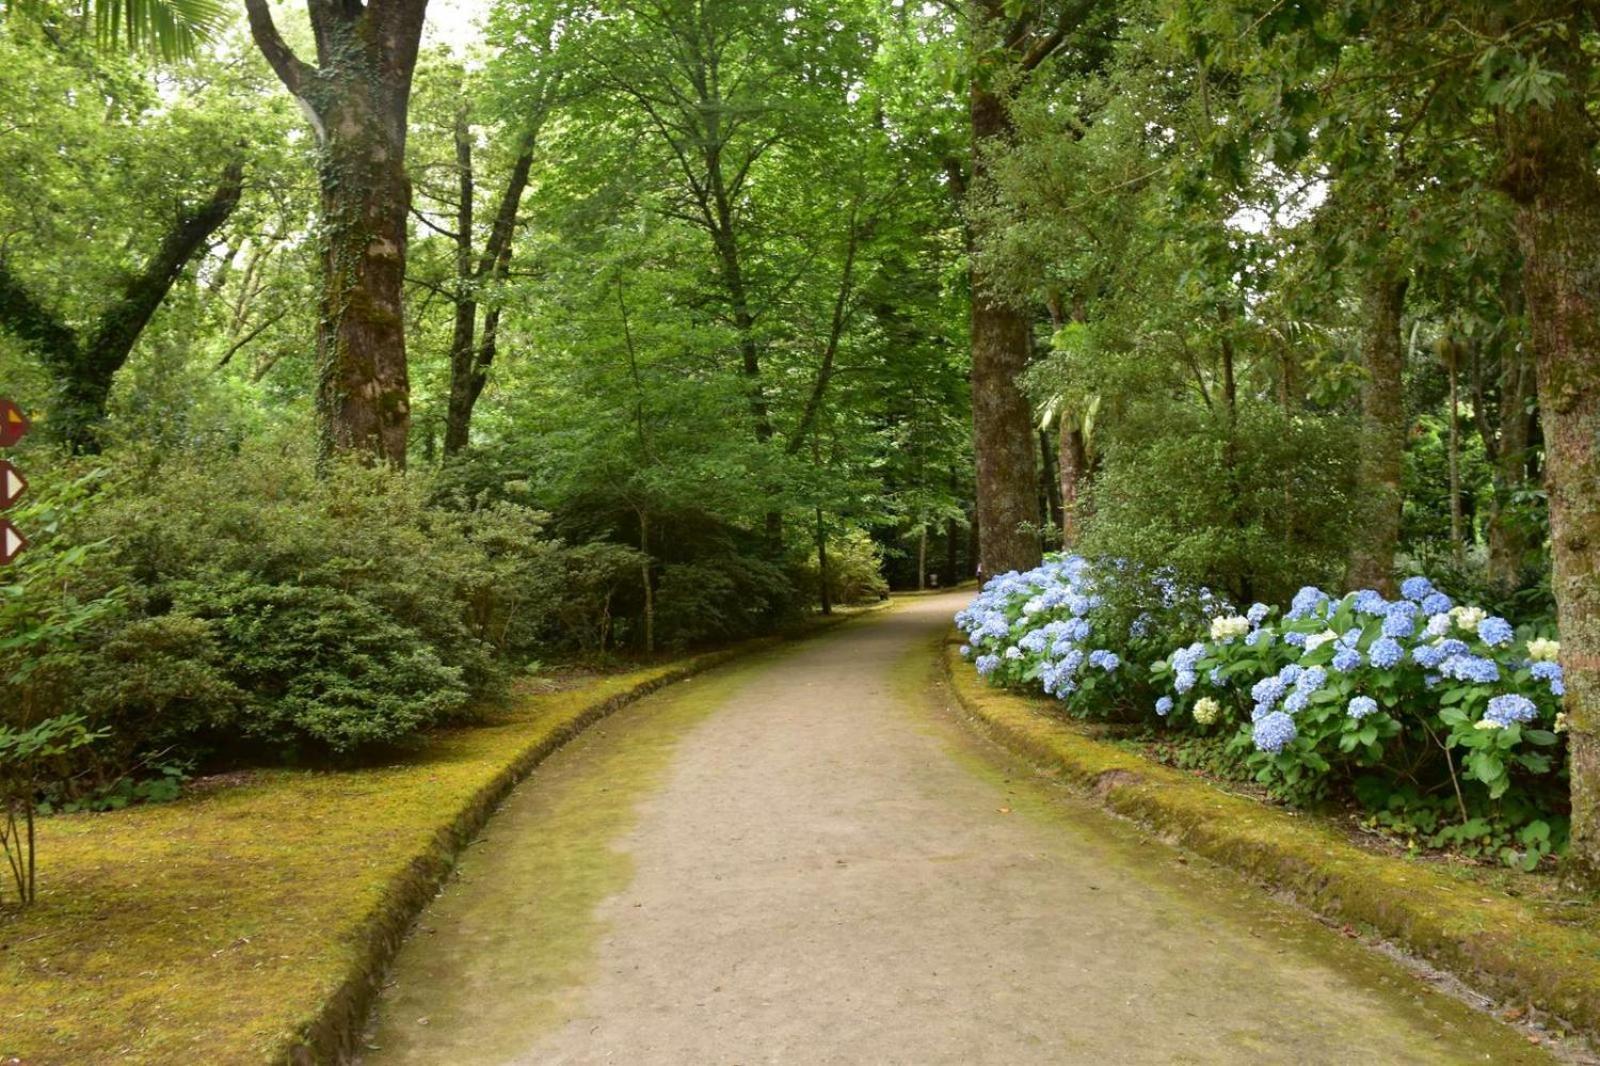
(12, 485)
(11, 542)
(13, 424)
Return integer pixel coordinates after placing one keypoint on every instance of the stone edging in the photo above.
(1494, 942)
(333, 1035)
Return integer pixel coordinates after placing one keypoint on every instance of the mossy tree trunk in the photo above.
(1072, 459)
(1383, 431)
(356, 99)
(84, 366)
(1002, 417)
(1549, 172)
(1506, 427)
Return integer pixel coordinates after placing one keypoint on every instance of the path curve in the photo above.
(805, 859)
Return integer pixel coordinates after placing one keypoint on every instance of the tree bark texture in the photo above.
(1002, 417)
(1376, 535)
(1549, 172)
(1072, 462)
(356, 98)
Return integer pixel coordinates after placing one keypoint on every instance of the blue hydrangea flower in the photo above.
(1268, 691)
(1416, 588)
(1289, 674)
(1361, 706)
(1495, 632)
(1296, 701)
(986, 664)
(1346, 660)
(1105, 660)
(1429, 655)
(1311, 680)
(1400, 620)
(1370, 601)
(966, 651)
(1436, 603)
(1216, 678)
(1438, 625)
(1509, 708)
(1296, 639)
(1257, 613)
(1164, 706)
(1185, 680)
(1470, 668)
(1386, 653)
(1550, 672)
(1273, 732)
(1307, 602)
(1254, 637)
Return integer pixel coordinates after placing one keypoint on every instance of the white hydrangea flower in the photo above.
(1542, 650)
(1561, 722)
(1468, 617)
(1226, 628)
(1317, 640)
(1206, 710)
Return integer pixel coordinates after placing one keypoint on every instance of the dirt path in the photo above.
(805, 859)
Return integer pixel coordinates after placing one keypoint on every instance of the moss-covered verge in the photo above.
(1525, 955)
(252, 923)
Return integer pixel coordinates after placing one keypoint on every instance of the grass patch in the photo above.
(1529, 952)
(250, 923)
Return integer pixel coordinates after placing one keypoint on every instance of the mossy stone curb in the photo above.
(1495, 942)
(332, 1035)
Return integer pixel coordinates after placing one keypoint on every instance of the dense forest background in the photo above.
(370, 371)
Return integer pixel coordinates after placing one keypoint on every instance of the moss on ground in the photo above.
(1516, 949)
(250, 924)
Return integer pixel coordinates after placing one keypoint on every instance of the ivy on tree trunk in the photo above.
(356, 98)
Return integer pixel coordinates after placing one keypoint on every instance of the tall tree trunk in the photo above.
(1072, 462)
(469, 368)
(84, 368)
(952, 533)
(646, 577)
(356, 99)
(1456, 544)
(824, 594)
(1050, 484)
(1507, 442)
(1549, 172)
(1002, 418)
(922, 557)
(1383, 432)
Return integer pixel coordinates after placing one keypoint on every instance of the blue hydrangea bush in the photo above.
(1439, 717)
(1079, 632)
(1401, 700)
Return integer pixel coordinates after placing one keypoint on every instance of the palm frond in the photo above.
(173, 29)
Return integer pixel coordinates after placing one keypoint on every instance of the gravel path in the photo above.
(805, 859)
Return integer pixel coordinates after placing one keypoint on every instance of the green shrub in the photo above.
(721, 597)
(1257, 527)
(855, 571)
(322, 667)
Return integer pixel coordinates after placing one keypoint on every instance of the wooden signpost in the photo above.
(13, 427)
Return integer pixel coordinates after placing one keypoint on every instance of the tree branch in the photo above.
(290, 68)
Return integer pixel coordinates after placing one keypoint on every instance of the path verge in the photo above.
(252, 923)
(1496, 943)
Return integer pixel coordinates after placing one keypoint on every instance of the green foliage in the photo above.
(855, 571)
(1253, 512)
